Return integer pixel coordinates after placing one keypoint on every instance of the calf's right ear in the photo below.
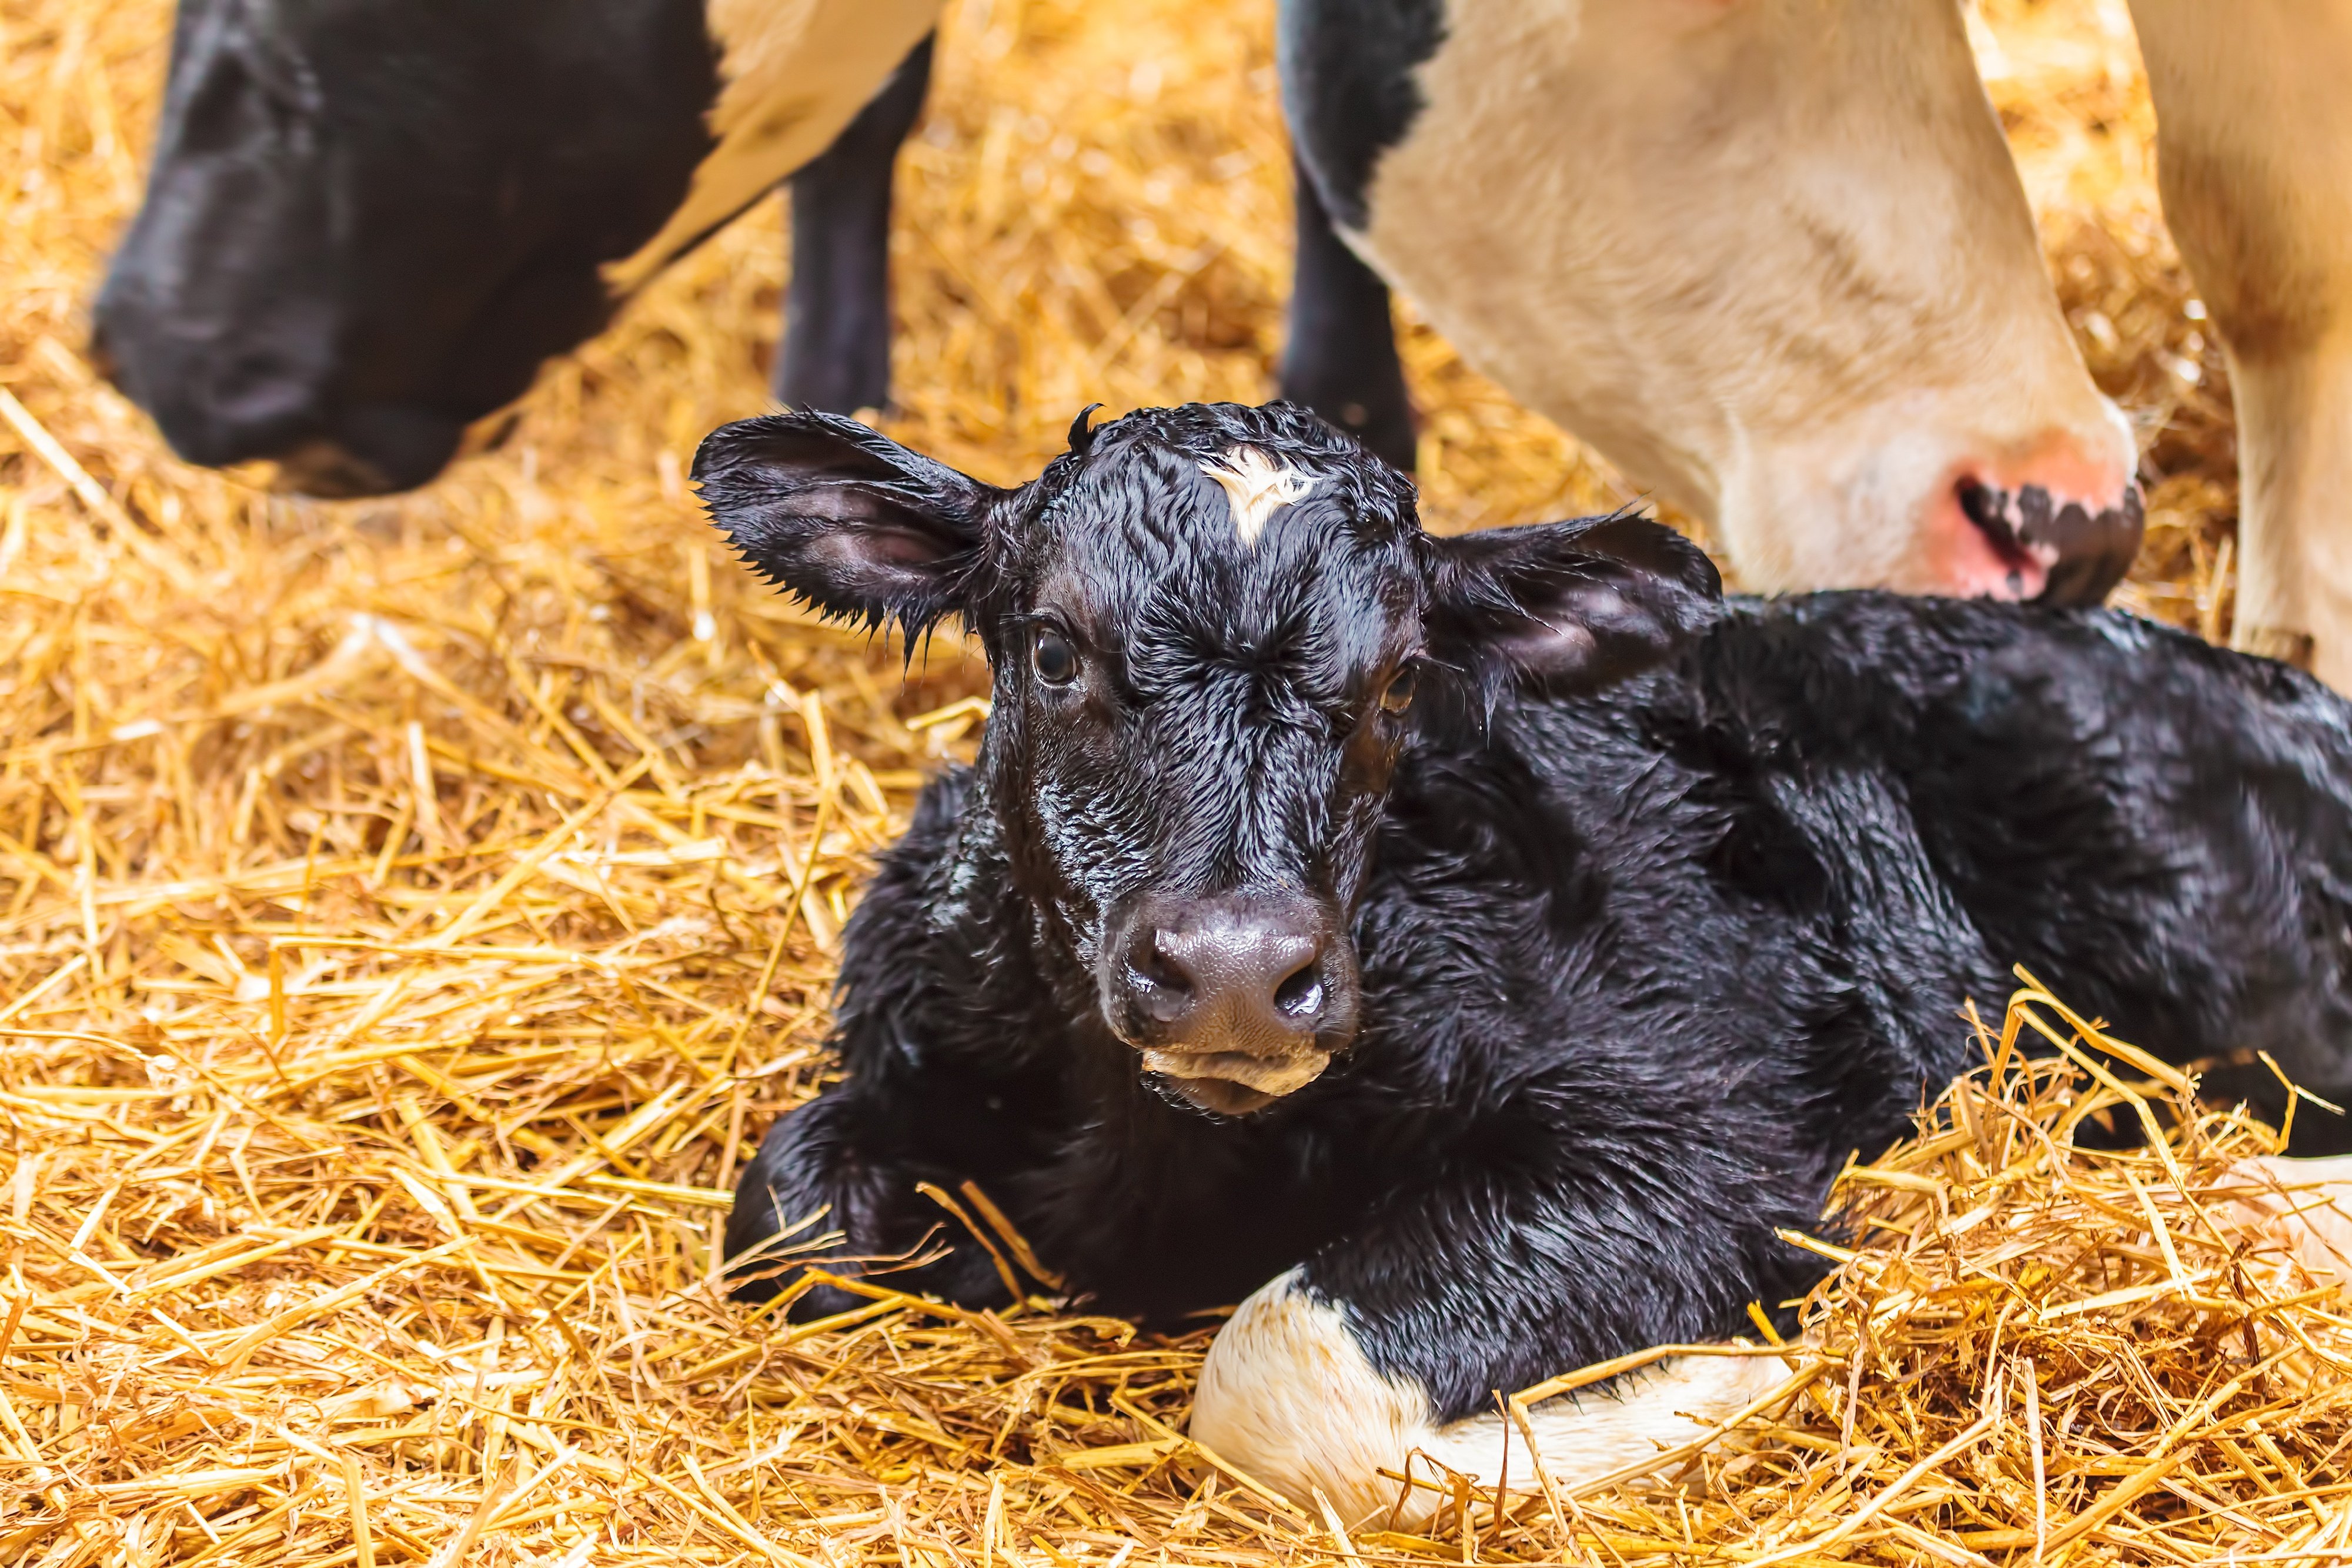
(845, 518)
(1567, 606)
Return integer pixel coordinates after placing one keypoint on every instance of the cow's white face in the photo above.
(1773, 260)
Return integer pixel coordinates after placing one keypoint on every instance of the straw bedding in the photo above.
(410, 912)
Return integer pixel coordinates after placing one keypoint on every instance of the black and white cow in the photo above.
(367, 223)
(1771, 258)
(1464, 952)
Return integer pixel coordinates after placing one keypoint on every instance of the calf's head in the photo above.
(1213, 630)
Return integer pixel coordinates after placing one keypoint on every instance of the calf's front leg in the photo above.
(1400, 1338)
(855, 1161)
(1290, 1395)
(843, 1164)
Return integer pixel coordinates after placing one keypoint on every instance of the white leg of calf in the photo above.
(1288, 1395)
(2307, 1204)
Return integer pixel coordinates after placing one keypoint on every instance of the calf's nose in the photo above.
(1249, 976)
(1233, 1000)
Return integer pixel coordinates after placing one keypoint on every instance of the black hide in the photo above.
(1661, 906)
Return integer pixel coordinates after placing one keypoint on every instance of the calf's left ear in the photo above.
(845, 518)
(1567, 606)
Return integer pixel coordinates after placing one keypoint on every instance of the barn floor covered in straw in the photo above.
(412, 911)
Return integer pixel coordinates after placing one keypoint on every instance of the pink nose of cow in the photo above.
(2058, 527)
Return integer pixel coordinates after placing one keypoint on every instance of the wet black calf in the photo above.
(1469, 950)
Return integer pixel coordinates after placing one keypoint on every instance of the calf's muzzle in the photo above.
(1234, 1000)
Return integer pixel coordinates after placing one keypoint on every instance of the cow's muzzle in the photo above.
(2077, 553)
(1233, 999)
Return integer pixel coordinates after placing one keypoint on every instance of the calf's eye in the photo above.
(1397, 696)
(1051, 655)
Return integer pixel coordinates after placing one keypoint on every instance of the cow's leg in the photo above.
(1341, 359)
(2255, 150)
(836, 349)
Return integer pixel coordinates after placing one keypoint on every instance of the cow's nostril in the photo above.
(1300, 996)
(1995, 514)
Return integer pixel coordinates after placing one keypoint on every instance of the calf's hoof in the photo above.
(813, 1197)
(788, 1199)
(1288, 1395)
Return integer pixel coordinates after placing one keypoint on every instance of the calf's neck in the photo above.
(1465, 952)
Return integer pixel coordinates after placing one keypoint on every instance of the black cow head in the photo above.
(369, 220)
(1208, 628)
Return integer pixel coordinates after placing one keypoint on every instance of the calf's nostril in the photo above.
(1159, 984)
(1300, 996)
(1159, 965)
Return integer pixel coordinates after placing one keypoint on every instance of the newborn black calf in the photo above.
(1469, 950)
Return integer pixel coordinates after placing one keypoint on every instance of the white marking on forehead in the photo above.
(1256, 485)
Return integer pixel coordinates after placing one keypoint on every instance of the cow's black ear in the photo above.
(1567, 606)
(845, 518)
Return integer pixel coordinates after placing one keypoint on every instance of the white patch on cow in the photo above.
(793, 73)
(1777, 270)
(1288, 1395)
(1256, 485)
